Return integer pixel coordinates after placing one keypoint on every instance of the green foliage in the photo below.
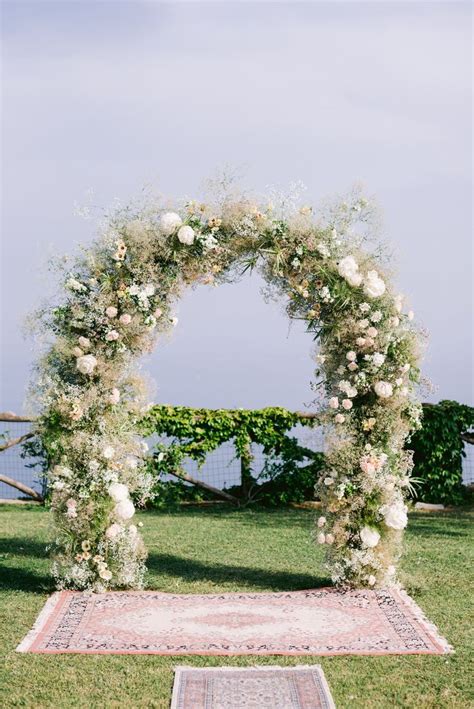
(195, 433)
(285, 479)
(438, 451)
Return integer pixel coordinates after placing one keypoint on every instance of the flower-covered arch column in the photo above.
(120, 296)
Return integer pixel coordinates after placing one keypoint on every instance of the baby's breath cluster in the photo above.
(121, 295)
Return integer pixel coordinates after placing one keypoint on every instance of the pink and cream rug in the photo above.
(325, 621)
(265, 687)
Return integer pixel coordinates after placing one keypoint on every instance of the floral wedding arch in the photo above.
(121, 294)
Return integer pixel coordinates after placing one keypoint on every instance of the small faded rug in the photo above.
(265, 687)
(324, 621)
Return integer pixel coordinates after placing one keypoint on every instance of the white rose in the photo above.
(328, 481)
(352, 366)
(124, 509)
(118, 492)
(370, 537)
(114, 397)
(347, 266)
(158, 313)
(378, 359)
(372, 332)
(351, 356)
(105, 574)
(84, 342)
(339, 418)
(113, 531)
(186, 235)
(169, 222)
(360, 342)
(354, 279)
(108, 452)
(383, 389)
(329, 538)
(347, 404)
(111, 311)
(86, 364)
(395, 515)
(374, 286)
(112, 336)
(125, 319)
(377, 316)
(321, 538)
(334, 402)
(372, 580)
(321, 521)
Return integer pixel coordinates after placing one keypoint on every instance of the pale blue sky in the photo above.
(109, 95)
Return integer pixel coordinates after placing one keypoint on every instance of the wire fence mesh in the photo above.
(13, 465)
(221, 468)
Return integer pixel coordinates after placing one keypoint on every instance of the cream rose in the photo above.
(186, 235)
(124, 509)
(369, 537)
(113, 531)
(118, 492)
(349, 270)
(169, 222)
(384, 390)
(395, 515)
(86, 364)
(374, 286)
(84, 342)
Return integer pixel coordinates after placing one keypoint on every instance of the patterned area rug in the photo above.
(266, 687)
(325, 621)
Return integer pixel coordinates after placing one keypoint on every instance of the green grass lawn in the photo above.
(209, 550)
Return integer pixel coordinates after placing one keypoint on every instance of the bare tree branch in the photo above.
(15, 441)
(21, 487)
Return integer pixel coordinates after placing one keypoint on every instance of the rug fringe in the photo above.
(40, 622)
(423, 620)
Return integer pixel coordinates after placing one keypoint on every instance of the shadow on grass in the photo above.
(193, 570)
(23, 546)
(15, 579)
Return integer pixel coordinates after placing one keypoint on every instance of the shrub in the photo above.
(438, 451)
